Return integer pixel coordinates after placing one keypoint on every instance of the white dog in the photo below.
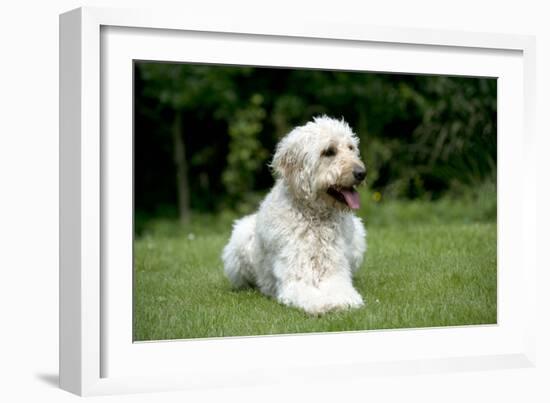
(304, 243)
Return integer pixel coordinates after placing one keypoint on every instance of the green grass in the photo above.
(427, 264)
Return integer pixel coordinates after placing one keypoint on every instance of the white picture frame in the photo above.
(97, 355)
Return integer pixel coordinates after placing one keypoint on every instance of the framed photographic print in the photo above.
(240, 200)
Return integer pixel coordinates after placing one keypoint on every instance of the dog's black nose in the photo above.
(359, 173)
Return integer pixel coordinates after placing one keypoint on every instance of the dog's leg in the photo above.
(339, 291)
(357, 245)
(327, 297)
(302, 295)
(239, 254)
(334, 292)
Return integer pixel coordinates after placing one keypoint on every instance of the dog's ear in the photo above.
(289, 162)
(284, 161)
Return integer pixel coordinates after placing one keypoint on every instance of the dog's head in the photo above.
(320, 163)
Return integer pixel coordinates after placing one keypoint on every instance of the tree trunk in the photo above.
(181, 170)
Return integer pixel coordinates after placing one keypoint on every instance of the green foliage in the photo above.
(456, 139)
(188, 86)
(246, 152)
(421, 136)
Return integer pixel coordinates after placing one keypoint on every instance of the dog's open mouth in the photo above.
(348, 196)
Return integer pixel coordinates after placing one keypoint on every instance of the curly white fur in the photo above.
(303, 245)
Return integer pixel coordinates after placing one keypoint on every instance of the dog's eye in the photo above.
(329, 152)
(350, 147)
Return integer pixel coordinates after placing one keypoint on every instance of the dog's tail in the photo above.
(238, 254)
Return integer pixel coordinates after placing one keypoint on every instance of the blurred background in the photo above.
(204, 136)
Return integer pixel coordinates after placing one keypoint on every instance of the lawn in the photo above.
(427, 264)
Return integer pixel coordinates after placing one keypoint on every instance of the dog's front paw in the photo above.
(319, 307)
(320, 300)
(335, 301)
(307, 298)
(341, 295)
(354, 299)
(348, 299)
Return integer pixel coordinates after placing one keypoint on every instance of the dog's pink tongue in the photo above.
(352, 198)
